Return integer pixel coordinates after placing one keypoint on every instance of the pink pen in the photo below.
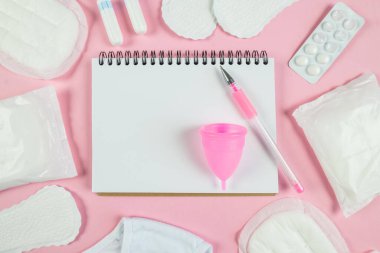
(249, 112)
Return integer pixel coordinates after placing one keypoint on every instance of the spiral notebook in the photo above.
(147, 109)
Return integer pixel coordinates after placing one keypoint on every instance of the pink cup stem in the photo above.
(224, 187)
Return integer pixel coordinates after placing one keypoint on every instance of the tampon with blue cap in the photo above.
(110, 22)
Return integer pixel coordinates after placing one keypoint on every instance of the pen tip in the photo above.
(226, 76)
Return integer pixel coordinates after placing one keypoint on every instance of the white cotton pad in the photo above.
(48, 218)
(246, 18)
(291, 225)
(41, 38)
(342, 126)
(192, 19)
(33, 142)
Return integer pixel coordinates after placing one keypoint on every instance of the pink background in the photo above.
(216, 219)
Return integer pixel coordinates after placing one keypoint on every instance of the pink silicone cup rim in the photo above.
(230, 130)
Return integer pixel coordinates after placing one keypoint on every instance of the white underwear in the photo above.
(139, 235)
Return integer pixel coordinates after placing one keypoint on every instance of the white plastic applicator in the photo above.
(110, 22)
(136, 16)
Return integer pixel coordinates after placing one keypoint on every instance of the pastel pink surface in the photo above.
(281, 38)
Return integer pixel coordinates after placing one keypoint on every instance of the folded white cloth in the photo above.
(139, 235)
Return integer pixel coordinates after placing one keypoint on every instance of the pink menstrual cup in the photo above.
(223, 146)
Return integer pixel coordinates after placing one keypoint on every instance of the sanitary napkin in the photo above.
(191, 19)
(246, 18)
(291, 225)
(33, 143)
(41, 38)
(342, 126)
(48, 218)
(139, 235)
(195, 19)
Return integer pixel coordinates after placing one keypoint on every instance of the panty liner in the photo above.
(50, 217)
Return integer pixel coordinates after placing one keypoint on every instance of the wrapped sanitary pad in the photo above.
(33, 143)
(343, 128)
(41, 38)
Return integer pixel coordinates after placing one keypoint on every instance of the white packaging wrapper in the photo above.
(33, 142)
(343, 128)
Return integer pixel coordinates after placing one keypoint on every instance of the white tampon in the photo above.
(136, 16)
(110, 22)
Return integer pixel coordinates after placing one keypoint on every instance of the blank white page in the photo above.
(146, 121)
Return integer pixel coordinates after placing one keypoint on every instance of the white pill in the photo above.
(338, 15)
(319, 37)
(301, 60)
(340, 35)
(313, 70)
(311, 49)
(349, 24)
(323, 58)
(328, 26)
(331, 47)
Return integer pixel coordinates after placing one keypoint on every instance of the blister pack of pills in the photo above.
(326, 43)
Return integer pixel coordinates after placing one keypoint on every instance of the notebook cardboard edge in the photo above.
(142, 194)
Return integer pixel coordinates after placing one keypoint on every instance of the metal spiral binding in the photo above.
(197, 57)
